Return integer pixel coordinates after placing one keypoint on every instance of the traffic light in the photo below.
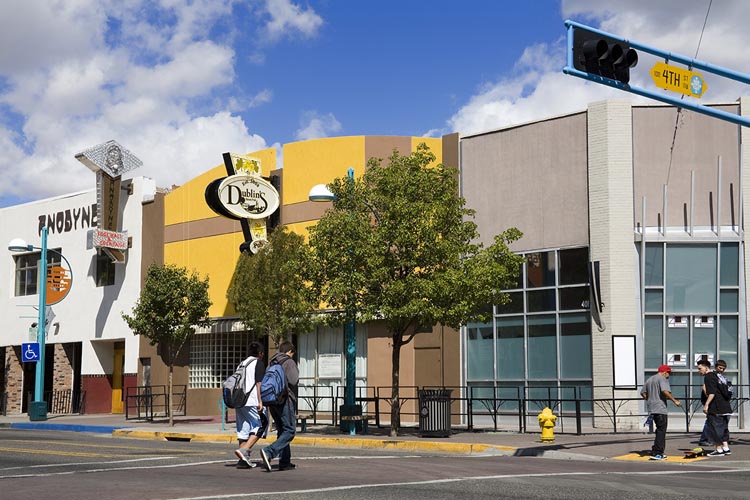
(604, 56)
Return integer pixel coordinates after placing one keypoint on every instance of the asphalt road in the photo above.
(69, 465)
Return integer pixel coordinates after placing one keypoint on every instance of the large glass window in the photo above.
(105, 270)
(540, 341)
(27, 269)
(479, 345)
(691, 308)
(510, 348)
(691, 278)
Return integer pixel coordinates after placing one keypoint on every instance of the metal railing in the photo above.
(516, 408)
(62, 402)
(145, 402)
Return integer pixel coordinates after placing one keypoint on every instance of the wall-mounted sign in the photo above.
(101, 238)
(59, 281)
(109, 161)
(246, 196)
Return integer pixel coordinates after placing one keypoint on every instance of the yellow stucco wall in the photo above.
(187, 202)
(306, 164)
(319, 161)
(215, 256)
(435, 145)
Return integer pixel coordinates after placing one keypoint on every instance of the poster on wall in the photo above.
(624, 361)
(329, 366)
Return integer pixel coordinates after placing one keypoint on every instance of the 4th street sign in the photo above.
(679, 80)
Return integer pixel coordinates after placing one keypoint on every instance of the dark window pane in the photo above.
(654, 272)
(540, 300)
(729, 264)
(574, 266)
(540, 269)
(514, 306)
(574, 297)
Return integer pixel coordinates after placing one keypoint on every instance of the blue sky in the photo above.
(178, 82)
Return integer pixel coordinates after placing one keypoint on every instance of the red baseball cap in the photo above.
(665, 368)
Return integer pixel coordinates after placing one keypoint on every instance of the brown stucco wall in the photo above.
(539, 171)
(699, 141)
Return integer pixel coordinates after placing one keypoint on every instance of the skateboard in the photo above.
(695, 453)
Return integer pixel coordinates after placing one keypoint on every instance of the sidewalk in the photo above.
(599, 446)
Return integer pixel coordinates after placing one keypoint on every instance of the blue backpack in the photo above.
(273, 386)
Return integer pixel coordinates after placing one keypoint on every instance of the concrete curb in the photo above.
(331, 442)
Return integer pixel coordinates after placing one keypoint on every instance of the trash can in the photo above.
(435, 412)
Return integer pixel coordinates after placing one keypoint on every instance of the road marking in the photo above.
(459, 479)
(73, 464)
(36, 451)
(110, 469)
(116, 447)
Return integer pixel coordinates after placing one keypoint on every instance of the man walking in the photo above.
(704, 367)
(718, 409)
(251, 421)
(284, 414)
(656, 391)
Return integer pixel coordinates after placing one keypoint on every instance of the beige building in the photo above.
(664, 220)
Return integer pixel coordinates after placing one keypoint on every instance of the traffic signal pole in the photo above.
(570, 69)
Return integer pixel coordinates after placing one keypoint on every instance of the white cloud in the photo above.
(155, 76)
(537, 88)
(288, 19)
(315, 126)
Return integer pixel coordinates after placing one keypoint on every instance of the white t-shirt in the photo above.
(250, 382)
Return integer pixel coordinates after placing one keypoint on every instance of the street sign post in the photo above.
(30, 352)
(668, 77)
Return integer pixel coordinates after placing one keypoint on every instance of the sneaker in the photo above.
(289, 466)
(727, 451)
(658, 457)
(244, 458)
(266, 461)
(704, 443)
(717, 453)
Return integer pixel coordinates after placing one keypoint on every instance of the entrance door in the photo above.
(118, 368)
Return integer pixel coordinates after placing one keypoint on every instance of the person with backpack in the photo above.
(718, 409)
(250, 418)
(282, 408)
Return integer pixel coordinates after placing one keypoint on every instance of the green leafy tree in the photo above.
(399, 245)
(269, 289)
(171, 305)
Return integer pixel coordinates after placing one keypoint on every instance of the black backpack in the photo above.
(233, 389)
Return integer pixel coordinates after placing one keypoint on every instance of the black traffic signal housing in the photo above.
(603, 56)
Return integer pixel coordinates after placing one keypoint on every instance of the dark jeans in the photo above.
(286, 425)
(660, 441)
(718, 428)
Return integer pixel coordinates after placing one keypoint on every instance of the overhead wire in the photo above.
(679, 109)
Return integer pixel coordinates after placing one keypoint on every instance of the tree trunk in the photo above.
(395, 400)
(169, 397)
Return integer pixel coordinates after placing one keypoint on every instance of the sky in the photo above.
(179, 82)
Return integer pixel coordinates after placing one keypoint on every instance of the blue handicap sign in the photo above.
(30, 352)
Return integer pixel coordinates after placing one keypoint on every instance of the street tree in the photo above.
(399, 245)
(172, 304)
(269, 290)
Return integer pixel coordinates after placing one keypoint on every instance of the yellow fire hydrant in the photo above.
(547, 423)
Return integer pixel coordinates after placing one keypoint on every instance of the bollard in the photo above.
(547, 423)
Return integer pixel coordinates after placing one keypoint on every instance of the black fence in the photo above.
(61, 402)
(146, 402)
(516, 408)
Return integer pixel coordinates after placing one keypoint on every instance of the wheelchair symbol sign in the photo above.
(30, 352)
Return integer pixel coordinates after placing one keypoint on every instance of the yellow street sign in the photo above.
(676, 79)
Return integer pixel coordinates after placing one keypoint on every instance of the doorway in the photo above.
(118, 369)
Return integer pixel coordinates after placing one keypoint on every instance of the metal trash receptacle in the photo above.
(435, 412)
